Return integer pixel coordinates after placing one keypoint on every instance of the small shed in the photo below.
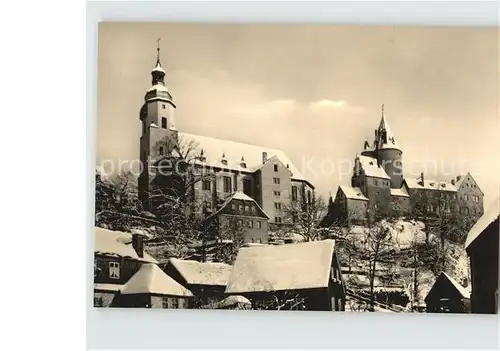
(206, 280)
(150, 287)
(300, 276)
(447, 296)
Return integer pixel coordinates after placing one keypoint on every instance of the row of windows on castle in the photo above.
(227, 187)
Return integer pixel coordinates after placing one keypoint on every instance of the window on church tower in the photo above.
(164, 123)
(163, 106)
(276, 168)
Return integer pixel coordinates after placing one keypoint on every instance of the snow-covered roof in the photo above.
(430, 184)
(370, 167)
(237, 195)
(108, 287)
(159, 87)
(214, 148)
(158, 68)
(391, 140)
(464, 292)
(353, 193)
(206, 273)
(459, 180)
(399, 192)
(491, 214)
(282, 267)
(115, 243)
(150, 279)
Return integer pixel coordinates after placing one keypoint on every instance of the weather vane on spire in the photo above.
(158, 51)
(382, 109)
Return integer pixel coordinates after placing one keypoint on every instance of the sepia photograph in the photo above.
(293, 167)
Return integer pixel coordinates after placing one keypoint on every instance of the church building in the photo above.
(265, 174)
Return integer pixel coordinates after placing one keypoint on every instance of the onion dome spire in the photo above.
(158, 74)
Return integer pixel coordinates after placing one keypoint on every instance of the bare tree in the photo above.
(376, 247)
(281, 300)
(231, 236)
(304, 217)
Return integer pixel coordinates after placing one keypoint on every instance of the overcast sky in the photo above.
(313, 91)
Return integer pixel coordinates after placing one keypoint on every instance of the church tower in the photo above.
(158, 132)
(388, 152)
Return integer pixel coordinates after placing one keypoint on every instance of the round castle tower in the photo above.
(388, 153)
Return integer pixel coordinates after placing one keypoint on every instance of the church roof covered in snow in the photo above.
(371, 168)
(214, 149)
(202, 273)
(282, 267)
(491, 215)
(115, 243)
(353, 193)
(150, 279)
(430, 184)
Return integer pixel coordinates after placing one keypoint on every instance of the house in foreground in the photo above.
(206, 280)
(482, 248)
(151, 287)
(299, 276)
(447, 296)
(125, 275)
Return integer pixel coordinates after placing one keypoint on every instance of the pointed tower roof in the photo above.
(158, 67)
(389, 142)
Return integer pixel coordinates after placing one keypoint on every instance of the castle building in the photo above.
(266, 175)
(379, 189)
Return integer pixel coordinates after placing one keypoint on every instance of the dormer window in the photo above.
(224, 162)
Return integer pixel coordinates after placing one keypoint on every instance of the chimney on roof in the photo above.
(422, 183)
(287, 166)
(453, 181)
(458, 178)
(264, 157)
(138, 242)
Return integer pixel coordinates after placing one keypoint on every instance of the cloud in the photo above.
(270, 108)
(329, 106)
(325, 103)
